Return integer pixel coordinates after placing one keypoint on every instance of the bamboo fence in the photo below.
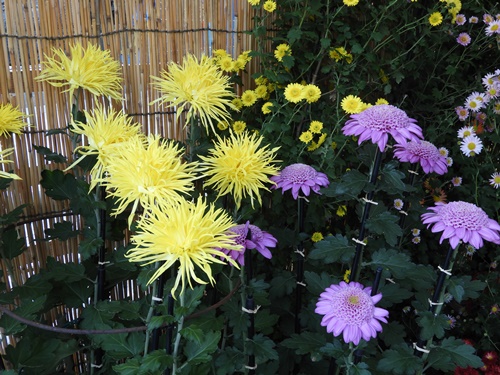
(144, 35)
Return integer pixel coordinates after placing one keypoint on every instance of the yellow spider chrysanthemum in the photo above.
(104, 132)
(315, 126)
(239, 126)
(198, 85)
(248, 98)
(269, 6)
(11, 120)
(266, 108)
(352, 104)
(91, 69)
(312, 93)
(254, 2)
(148, 173)
(294, 92)
(240, 167)
(306, 137)
(189, 233)
(3, 155)
(281, 51)
(435, 19)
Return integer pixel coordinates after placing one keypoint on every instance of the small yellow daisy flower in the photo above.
(351, 104)
(261, 91)
(315, 127)
(341, 211)
(281, 51)
(306, 137)
(316, 237)
(237, 103)
(239, 126)
(294, 92)
(254, 2)
(226, 64)
(435, 19)
(269, 6)
(266, 108)
(312, 93)
(222, 125)
(248, 98)
(351, 3)
(381, 101)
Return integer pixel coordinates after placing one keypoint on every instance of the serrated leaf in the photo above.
(392, 180)
(294, 34)
(359, 369)
(395, 262)
(350, 186)
(130, 367)
(59, 185)
(325, 42)
(265, 322)
(27, 310)
(453, 353)
(400, 361)
(282, 284)
(156, 362)
(67, 272)
(317, 283)
(12, 217)
(432, 325)
(393, 293)
(392, 333)
(305, 343)
(192, 334)
(192, 298)
(385, 224)
(121, 345)
(263, 348)
(463, 287)
(62, 231)
(11, 244)
(333, 249)
(160, 321)
(202, 352)
(49, 155)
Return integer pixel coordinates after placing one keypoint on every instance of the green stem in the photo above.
(150, 315)
(178, 338)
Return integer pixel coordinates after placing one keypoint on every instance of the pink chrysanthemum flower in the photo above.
(250, 237)
(462, 221)
(488, 80)
(349, 309)
(465, 131)
(460, 19)
(456, 181)
(422, 152)
(379, 121)
(473, 19)
(462, 113)
(487, 18)
(298, 177)
(463, 39)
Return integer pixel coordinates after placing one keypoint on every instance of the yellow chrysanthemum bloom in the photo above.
(237, 103)
(454, 6)
(245, 56)
(248, 98)
(351, 104)
(381, 101)
(222, 125)
(190, 233)
(3, 155)
(341, 211)
(281, 51)
(311, 93)
(91, 69)
(351, 3)
(294, 92)
(315, 145)
(261, 91)
(261, 80)
(364, 106)
(239, 126)
(435, 19)
(254, 2)
(315, 127)
(104, 132)
(11, 120)
(269, 6)
(198, 85)
(148, 173)
(306, 137)
(347, 275)
(239, 166)
(316, 237)
(226, 64)
(266, 108)
(219, 54)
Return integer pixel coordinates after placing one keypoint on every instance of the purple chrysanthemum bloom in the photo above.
(258, 240)
(350, 309)
(379, 121)
(424, 153)
(462, 221)
(298, 177)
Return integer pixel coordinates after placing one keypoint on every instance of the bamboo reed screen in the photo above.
(144, 35)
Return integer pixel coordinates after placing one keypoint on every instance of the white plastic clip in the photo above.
(301, 283)
(301, 252)
(251, 367)
(359, 241)
(403, 212)
(157, 299)
(369, 201)
(434, 303)
(103, 263)
(448, 272)
(251, 311)
(423, 350)
(413, 172)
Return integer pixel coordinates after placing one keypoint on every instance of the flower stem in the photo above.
(178, 337)
(249, 306)
(300, 264)
(358, 255)
(149, 316)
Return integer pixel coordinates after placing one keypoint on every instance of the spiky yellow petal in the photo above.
(11, 120)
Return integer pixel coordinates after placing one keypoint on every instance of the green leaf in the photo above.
(11, 245)
(156, 361)
(305, 343)
(395, 262)
(49, 155)
(76, 293)
(392, 333)
(36, 285)
(192, 334)
(202, 352)
(265, 322)
(67, 272)
(350, 186)
(130, 367)
(386, 224)
(453, 353)
(263, 348)
(432, 325)
(294, 34)
(12, 217)
(121, 345)
(97, 317)
(359, 369)
(392, 180)
(317, 283)
(400, 361)
(463, 287)
(333, 249)
(28, 309)
(393, 293)
(62, 231)
(282, 284)
(160, 321)
(325, 43)
(192, 298)
(59, 185)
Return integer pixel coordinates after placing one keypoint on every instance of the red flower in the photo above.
(493, 370)
(490, 358)
(465, 371)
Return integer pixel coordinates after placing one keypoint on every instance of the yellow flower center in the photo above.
(471, 146)
(354, 300)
